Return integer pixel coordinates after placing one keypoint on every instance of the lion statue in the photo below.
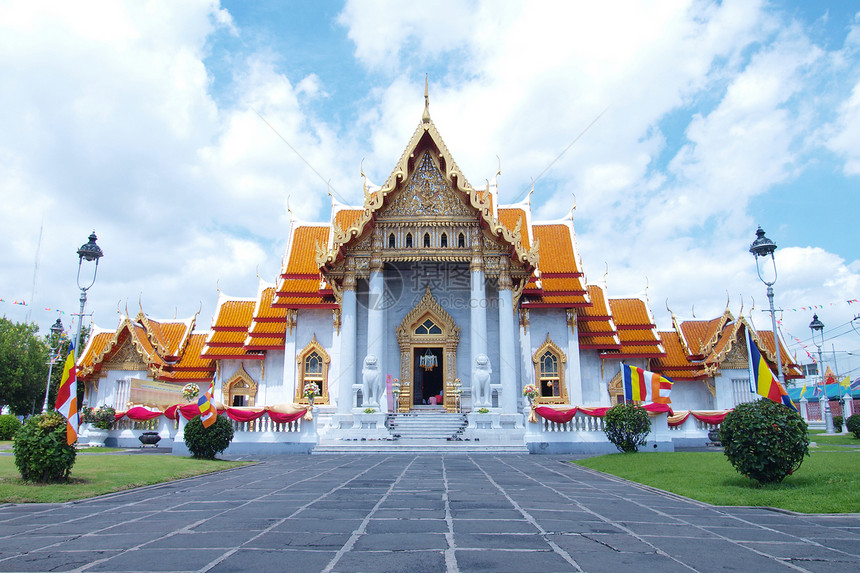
(481, 381)
(372, 382)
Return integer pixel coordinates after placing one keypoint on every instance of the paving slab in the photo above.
(414, 513)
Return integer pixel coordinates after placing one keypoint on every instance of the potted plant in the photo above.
(530, 392)
(190, 391)
(310, 391)
(101, 420)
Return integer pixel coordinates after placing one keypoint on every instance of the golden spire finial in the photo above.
(426, 117)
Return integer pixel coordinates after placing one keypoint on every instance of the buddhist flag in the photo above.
(208, 413)
(762, 380)
(67, 397)
(644, 386)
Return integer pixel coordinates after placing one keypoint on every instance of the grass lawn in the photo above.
(845, 440)
(827, 482)
(97, 474)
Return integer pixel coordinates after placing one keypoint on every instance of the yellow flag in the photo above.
(846, 382)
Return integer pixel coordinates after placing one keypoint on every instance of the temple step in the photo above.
(426, 426)
(418, 446)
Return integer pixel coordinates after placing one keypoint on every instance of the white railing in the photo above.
(579, 423)
(266, 424)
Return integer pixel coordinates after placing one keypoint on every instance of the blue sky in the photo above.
(140, 120)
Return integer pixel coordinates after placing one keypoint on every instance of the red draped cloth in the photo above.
(279, 418)
(140, 414)
(245, 415)
(711, 418)
(565, 416)
(557, 416)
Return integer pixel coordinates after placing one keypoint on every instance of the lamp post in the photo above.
(91, 252)
(57, 330)
(762, 248)
(817, 328)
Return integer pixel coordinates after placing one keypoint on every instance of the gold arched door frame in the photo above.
(240, 384)
(409, 340)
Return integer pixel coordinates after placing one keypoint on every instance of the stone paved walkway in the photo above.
(415, 514)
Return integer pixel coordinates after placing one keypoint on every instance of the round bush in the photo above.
(764, 440)
(853, 425)
(837, 424)
(9, 426)
(627, 426)
(41, 451)
(207, 442)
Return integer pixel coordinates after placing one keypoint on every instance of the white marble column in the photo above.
(507, 356)
(290, 363)
(376, 310)
(347, 344)
(573, 373)
(527, 366)
(477, 302)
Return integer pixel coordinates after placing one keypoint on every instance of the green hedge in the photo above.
(9, 426)
(627, 426)
(41, 451)
(764, 440)
(206, 443)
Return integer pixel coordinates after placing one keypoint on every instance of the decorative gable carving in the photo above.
(427, 195)
(126, 358)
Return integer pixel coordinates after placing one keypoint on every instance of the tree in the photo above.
(23, 367)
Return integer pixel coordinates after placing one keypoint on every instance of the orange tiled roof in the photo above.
(234, 314)
(346, 218)
(630, 312)
(599, 309)
(700, 335)
(509, 217)
(264, 311)
(556, 250)
(302, 259)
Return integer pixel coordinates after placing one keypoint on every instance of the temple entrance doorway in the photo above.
(428, 384)
(428, 339)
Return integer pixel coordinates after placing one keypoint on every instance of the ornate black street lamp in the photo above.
(91, 252)
(817, 328)
(56, 330)
(762, 248)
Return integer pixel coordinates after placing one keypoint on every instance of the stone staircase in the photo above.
(424, 430)
(426, 426)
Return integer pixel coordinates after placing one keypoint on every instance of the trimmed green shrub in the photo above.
(837, 423)
(853, 425)
(627, 426)
(764, 440)
(207, 442)
(9, 426)
(41, 451)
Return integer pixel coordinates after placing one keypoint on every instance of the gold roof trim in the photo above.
(479, 199)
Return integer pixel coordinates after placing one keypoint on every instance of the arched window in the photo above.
(408, 240)
(426, 240)
(240, 389)
(428, 327)
(549, 373)
(461, 241)
(313, 367)
(444, 240)
(391, 241)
